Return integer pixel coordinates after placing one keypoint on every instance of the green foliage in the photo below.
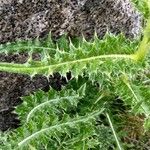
(54, 120)
(110, 82)
(143, 6)
(99, 59)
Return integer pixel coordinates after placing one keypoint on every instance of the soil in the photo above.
(14, 86)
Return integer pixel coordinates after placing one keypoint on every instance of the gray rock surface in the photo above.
(23, 19)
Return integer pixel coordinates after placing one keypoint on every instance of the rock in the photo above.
(24, 19)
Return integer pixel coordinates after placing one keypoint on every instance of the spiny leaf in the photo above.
(88, 56)
(135, 98)
(42, 100)
(53, 120)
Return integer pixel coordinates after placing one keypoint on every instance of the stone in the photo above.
(28, 19)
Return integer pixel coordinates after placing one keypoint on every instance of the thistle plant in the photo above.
(110, 82)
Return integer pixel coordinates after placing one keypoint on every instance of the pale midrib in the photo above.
(136, 98)
(114, 132)
(81, 119)
(47, 102)
(5, 66)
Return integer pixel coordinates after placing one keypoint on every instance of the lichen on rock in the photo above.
(24, 19)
